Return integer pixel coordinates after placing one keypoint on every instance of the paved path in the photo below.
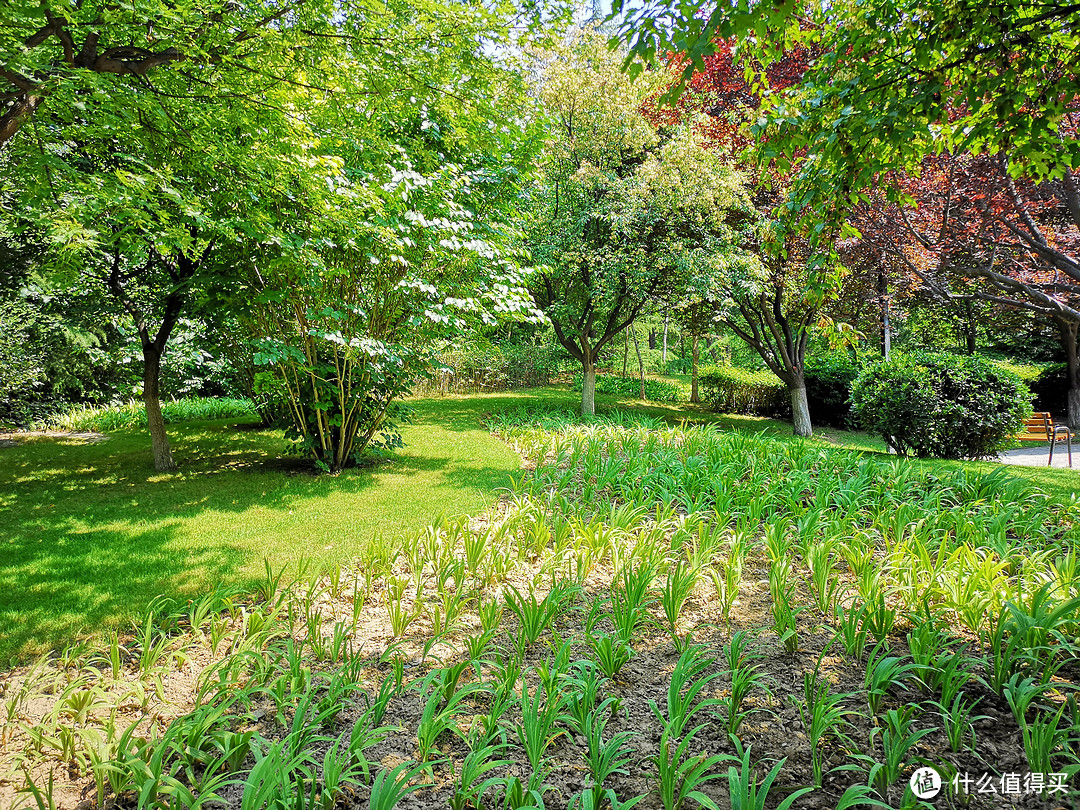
(1036, 455)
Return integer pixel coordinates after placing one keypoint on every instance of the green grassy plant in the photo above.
(537, 616)
(1048, 735)
(679, 584)
(631, 599)
(823, 717)
(537, 729)
(611, 652)
(884, 674)
(604, 757)
(681, 775)
(783, 612)
(440, 715)
(132, 414)
(746, 677)
(851, 630)
(897, 738)
(474, 781)
(685, 689)
(392, 785)
(746, 793)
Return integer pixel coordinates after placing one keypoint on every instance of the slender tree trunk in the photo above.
(663, 357)
(694, 369)
(1069, 341)
(800, 409)
(159, 439)
(640, 362)
(626, 349)
(588, 386)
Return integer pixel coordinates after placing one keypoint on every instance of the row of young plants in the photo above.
(596, 645)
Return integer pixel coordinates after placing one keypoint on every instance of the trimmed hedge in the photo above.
(473, 369)
(942, 405)
(829, 378)
(655, 390)
(728, 389)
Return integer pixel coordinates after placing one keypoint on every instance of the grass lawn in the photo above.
(90, 534)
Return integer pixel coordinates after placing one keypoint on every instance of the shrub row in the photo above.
(942, 405)
(735, 390)
(655, 390)
(478, 369)
(104, 418)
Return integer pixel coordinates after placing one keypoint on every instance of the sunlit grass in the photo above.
(89, 533)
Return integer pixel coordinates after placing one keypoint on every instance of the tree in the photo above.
(891, 80)
(620, 213)
(404, 243)
(348, 319)
(975, 234)
(771, 300)
(143, 203)
(96, 56)
(897, 83)
(160, 187)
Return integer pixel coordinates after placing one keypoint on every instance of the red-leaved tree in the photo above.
(974, 233)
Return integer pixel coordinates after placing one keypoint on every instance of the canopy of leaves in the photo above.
(623, 213)
(892, 80)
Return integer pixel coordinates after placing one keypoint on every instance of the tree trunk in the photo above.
(800, 410)
(159, 439)
(663, 357)
(1072, 371)
(693, 369)
(640, 363)
(626, 349)
(588, 387)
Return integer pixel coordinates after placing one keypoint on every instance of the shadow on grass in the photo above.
(90, 534)
(55, 587)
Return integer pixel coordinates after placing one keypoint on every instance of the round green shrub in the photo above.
(941, 405)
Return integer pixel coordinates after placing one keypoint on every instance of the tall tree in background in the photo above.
(972, 233)
(891, 80)
(772, 300)
(895, 83)
(619, 213)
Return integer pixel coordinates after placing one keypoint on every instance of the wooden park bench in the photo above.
(1041, 428)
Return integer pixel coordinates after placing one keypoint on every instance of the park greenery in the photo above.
(422, 403)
